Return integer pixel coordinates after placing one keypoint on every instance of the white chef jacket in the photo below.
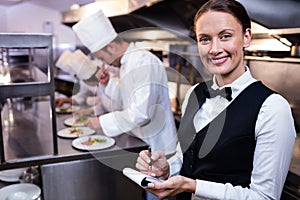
(145, 100)
(275, 137)
(105, 103)
(84, 89)
(108, 98)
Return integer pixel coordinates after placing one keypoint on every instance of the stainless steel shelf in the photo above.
(25, 90)
(267, 58)
(14, 42)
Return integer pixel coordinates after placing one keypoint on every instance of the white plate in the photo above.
(77, 143)
(24, 191)
(11, 175)
(69, 109)
(72, 122)
(66, 132)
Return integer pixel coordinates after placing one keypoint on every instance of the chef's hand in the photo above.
(171, 187)
(61, 101)
(102, 75)
(86, 111)
(93, 123)
(159, 166)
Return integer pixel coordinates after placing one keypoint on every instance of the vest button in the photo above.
(191, 166)
(192, 152)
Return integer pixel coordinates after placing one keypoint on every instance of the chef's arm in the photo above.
(135, 115)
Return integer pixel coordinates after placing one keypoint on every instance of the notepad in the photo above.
(139, 178)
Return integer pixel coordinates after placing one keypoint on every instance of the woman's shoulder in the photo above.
(276, 104)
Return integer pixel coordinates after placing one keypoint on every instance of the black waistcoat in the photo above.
(223, 150)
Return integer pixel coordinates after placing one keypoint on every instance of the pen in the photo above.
(150, 154)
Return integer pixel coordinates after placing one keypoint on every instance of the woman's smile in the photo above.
(219, 61)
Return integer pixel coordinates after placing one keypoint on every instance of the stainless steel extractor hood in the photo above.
(276, 16)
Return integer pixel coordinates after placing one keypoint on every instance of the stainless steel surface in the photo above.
(295, 165)
(9, 89)
(291, 190)
(281, 75)
(28, 137)
(295, 50)
(89, 180)
(71, 174)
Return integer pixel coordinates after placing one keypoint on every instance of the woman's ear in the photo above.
(247, 38)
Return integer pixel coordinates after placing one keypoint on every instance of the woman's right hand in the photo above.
(156, 166)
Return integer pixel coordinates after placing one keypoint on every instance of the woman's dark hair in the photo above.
(232, 7)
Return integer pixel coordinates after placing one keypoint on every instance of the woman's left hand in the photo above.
(171, 187)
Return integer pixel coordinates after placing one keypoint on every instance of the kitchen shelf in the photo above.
(267, 58)
(14, 43)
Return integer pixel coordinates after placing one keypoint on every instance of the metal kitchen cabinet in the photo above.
(39, 82)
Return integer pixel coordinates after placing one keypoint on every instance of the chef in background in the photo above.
(91, 92)
(143, 86)
(64, 63)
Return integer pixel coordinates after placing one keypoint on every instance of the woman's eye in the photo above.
(204, 40)
(225, 36)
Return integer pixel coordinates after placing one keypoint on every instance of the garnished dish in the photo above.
(76, 121)
(66, 109)
(81, 119)
(94, 142)
(74, 132)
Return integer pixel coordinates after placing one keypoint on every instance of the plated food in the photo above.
(76, 121)
(94, 142)
(74, 132)
(67, 109)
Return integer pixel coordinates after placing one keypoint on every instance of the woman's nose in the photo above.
(215, 47)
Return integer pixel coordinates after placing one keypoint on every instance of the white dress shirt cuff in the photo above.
(175, 165)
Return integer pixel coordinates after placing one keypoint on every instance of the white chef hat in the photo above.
(95, 31)
(84, 68)
(64, 61)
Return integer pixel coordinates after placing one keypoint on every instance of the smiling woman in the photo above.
(232, 146)
(221, 48)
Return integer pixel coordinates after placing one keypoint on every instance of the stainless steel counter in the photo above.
(27, 136)
(71, 174)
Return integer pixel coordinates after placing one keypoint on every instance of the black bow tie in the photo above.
(225, 92)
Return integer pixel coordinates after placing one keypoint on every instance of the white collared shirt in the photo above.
(275, 137)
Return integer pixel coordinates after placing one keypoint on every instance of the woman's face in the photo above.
(220, 44)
